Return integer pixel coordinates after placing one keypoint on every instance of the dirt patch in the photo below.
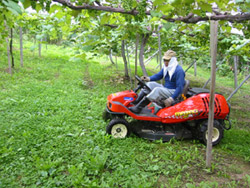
(5, 70)
(241, 108)
(87, 82)
(57, 75)
(244, 120)
(225, 169)
(225, 90)
(246, 96)
(117, 79)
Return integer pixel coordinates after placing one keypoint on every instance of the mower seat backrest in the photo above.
(185, 89)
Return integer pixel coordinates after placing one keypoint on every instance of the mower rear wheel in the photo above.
(218, 132)
(118, 128)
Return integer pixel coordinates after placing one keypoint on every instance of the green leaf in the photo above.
(59, 14)
(38, 7)
(188, 2)
(154, 19)
(158, 2)
(13, 11)
(26, 4)
(197, 12)
(39, 37)
(155, 13)
(206, 7)
(75, 13)
(13, 7)
(54, 7)
(226, 28)
(165, 8)
(167, 25)
(105, 18)
(112, 20)
(239, 1)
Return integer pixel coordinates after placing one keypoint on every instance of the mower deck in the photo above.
(159, 135)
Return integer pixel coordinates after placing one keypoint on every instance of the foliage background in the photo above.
(53, 135)
(51, 130)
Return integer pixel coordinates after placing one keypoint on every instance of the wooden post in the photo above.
(209, 79)
(124, 59)
(40, 48)
(8, 53)
(129, 69)
(111, 57)
(11, 48)
(8, 48)
(213, 51)
(136, 53)
(181, 61)
(189, 66)
(21, 46)
(195, 68)
(235, 71)
(159, 46)
(248, 67)
(116, 62)
(151, 57)
(238, 87)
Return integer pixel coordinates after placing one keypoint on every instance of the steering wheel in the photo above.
(142, 83)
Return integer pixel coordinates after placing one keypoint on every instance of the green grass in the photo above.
(52, 133)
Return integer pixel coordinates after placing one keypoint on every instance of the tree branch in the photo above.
(111, 26)
(190, 18)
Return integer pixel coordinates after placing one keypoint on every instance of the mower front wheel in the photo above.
(118, 128)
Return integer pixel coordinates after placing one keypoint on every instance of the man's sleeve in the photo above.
(157, 76)
(180, 82)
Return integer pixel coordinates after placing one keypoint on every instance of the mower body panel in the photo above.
(193, 108)
(118, 103)
(124, 97)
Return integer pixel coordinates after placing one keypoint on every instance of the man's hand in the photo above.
(168, 101)
(145, 78)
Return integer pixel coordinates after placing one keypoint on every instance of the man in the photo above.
(174, 78)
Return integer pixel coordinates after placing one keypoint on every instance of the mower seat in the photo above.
(179, 98)
(183, 94)
(185, 89)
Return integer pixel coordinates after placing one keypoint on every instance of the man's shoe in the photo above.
(139, 98)
(137, 109)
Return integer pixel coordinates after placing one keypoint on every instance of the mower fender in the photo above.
(114, 113)
(205, 125)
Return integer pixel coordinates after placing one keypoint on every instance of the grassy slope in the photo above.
(52, 133)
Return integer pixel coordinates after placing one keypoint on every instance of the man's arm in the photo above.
(157, 76)
(180, 82)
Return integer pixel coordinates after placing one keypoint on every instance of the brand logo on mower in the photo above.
(186, 114)
(128, 98)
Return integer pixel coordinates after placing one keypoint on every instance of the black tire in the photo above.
(218, 132)
(118, 128)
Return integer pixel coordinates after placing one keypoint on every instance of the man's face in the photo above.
(166, 62)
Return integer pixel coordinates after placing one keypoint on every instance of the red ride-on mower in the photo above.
(186, 118)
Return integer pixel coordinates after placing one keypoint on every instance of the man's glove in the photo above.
(145, 78)
(168, 101)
